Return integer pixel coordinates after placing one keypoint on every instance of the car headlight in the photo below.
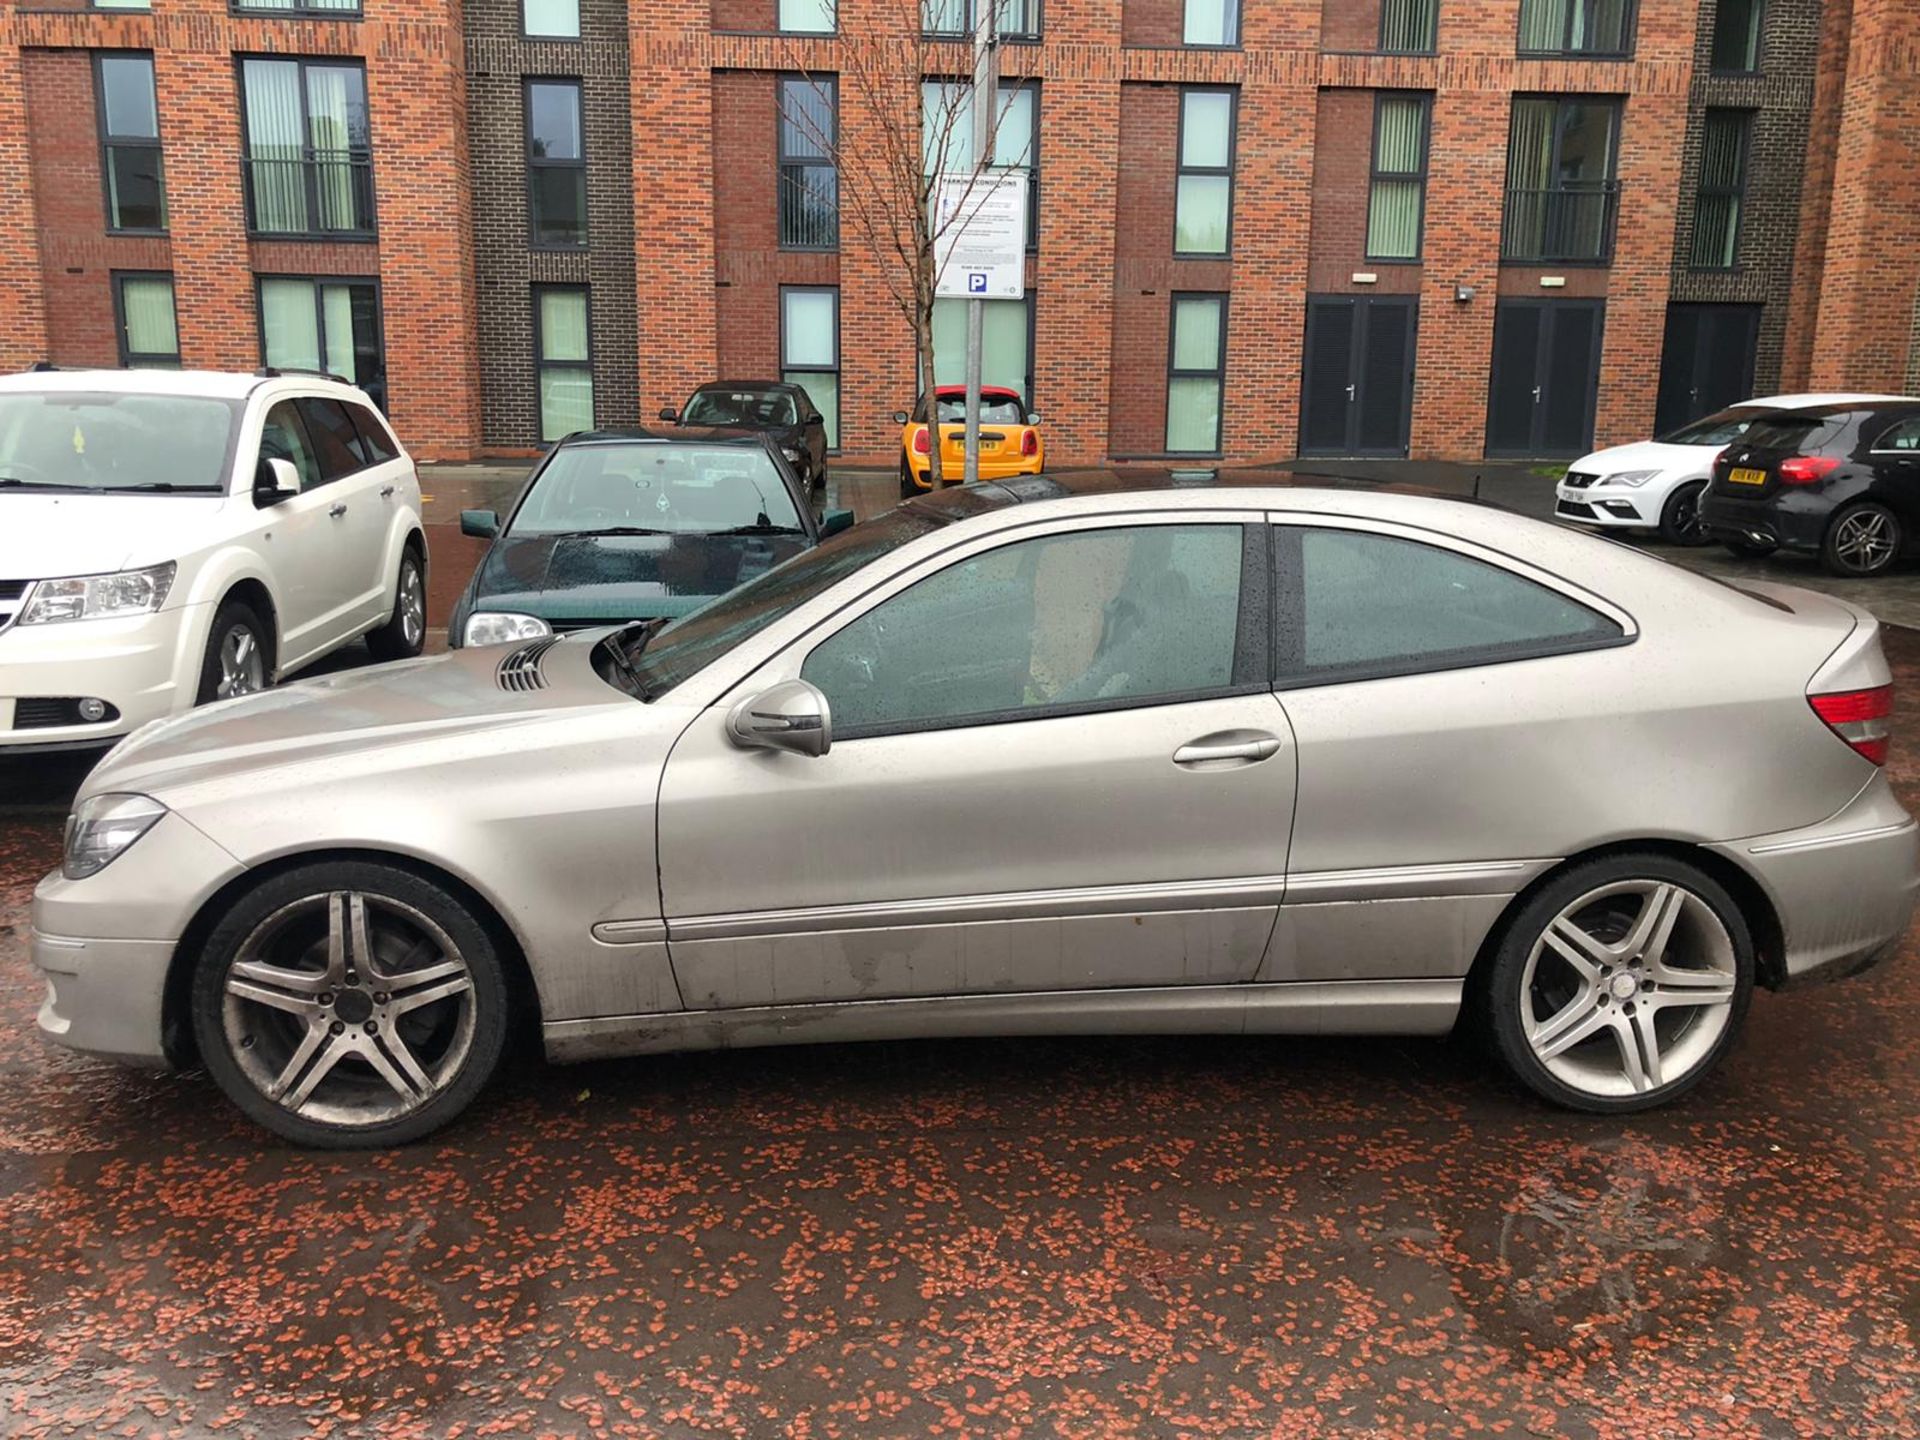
(99, 597)
(497, 627)
(1629, 478)
(102, 827)
(791, 453)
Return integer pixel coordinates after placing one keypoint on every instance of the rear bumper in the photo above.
(1844, 889)
(919, 466)
(1790, 519)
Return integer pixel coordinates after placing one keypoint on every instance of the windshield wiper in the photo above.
(166, 487)
(608, 530)
(761, 529)
(13, 482)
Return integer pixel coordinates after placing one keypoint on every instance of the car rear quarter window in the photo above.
(376, 442)
(335, 442)
(1356, 605)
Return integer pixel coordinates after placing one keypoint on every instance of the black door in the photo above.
(1546, 372)
(1356, 397)
(1706, 362)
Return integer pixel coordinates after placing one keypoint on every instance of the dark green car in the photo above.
(616, 526)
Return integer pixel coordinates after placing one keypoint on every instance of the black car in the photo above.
(621, 525)
(1838, 481)
(783, 413)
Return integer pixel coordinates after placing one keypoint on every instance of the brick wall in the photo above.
(1342, 166)
(1351, 24)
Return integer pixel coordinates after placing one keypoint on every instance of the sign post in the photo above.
(980, 254)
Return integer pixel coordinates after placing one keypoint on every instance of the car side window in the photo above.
(336, 443)
(376, 441)
(1904, 437)
(283, 436)
(1080, 621)
(1357, 605)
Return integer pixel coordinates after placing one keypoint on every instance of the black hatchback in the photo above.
(1838, 481)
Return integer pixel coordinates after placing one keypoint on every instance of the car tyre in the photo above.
(239, 655)
(377, 978)
(907, 488)
(1619, 984)
(1680, 516)
(404, 635)
(1862, 540)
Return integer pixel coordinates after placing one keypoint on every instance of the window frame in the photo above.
(1433, 43)
(1289, 599)
(320, 326)
(541, 364)
(1223, 300)
(533, 164)
(1239, 27)
(838, 357)
(1181, 169)
(779, 29)
(780, 159)
(1253, 641)
(1759, 64)
(1737, 192)
(107, 142)
(542, 38)
(1035, 9)
(129, 358)
(299, 9)
(1424, 98)
(1879, 448)
(1609, 187)
(1629, 35)
(309, 179)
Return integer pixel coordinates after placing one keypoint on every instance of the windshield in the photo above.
(80, 440)
(998, 409)
(665, 659)
(740, 407)
(661, 488)
(1719, 429)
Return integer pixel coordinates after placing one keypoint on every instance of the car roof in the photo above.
(746, 385)
(948, 392)
(641, 435)
(1809, 401)
(210, 384)
(1869, 406)
(959, 502)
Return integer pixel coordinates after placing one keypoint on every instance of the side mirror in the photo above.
(899, 417)
(481, 524)
(1033, 417)
(833, 522)
(670, 415)
(792, 715)
(275, 480)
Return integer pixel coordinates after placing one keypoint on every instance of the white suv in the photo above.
(173, 537)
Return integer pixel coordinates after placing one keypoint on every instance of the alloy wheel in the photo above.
(1629, 988)
(1863, 541)
(1687, 526)
(349, 1008)
(243, 667)
(413, 603)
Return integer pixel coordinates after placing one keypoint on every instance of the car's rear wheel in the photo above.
(404, 634)
(1680, 516)
(1863, 539)
(907, 488)
(239, 655)
(350, 1003)
(1620, 984)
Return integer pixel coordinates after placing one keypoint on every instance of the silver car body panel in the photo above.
(1072, 878)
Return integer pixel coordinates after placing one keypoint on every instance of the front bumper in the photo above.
(1791, 519)
(1618, 507)
(144, 667)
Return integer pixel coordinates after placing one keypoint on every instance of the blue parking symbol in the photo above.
(976, 283)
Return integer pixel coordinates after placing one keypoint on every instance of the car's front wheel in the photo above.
(1864, 539)
(1680, 516)
(239, 656)
(350, 1003)
(1620, 984)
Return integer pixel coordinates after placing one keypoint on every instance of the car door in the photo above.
(364, 515)
(815, 431)
(304, 549)
(1895, 458)
(1462, 719)
(1055, 767)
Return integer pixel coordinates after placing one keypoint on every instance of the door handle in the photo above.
(386, 492)
(336, 511)
(1240, 747)
(1349, 394)
(1536, 394)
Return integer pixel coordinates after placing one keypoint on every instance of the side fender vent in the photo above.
(520, 672)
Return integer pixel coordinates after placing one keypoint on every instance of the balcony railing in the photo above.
(1568, 224)
(314, 192)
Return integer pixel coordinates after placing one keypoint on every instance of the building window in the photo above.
(946, 117)
(130, 143)
(1723, 188)
(143, 314)
(809, 183)
(1212, 22)
(1397, 194)
(556, 164)
(1409, 27)
(810, 349)
(300, 7)
(551, 19)
(1203, 203)
(808, 17)
(1576, 27)
(123, 4)
(563, 351)
(1017, 19)
(1196, 372)
(1736, 36)
(1006, 344)
(1560, 187)
(327, 325)
(309, 153)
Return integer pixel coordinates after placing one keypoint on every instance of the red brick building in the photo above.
(1428, 227)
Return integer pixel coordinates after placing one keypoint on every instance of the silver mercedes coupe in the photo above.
(1088, 754)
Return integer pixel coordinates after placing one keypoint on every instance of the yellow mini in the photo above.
(1010, 442)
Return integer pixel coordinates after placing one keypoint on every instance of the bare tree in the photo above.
(911, 94)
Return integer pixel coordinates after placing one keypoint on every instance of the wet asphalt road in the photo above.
(1083, 1238)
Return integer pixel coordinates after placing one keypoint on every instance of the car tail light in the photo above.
(1862, 718)
(1029, 443)
(1807, 469)
(921, 445)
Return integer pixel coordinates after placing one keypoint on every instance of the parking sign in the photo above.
(980, 241)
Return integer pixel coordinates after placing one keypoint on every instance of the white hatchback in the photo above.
(169, 538)
(1657, 484)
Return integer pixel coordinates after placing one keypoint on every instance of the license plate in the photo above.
(1746, 475)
